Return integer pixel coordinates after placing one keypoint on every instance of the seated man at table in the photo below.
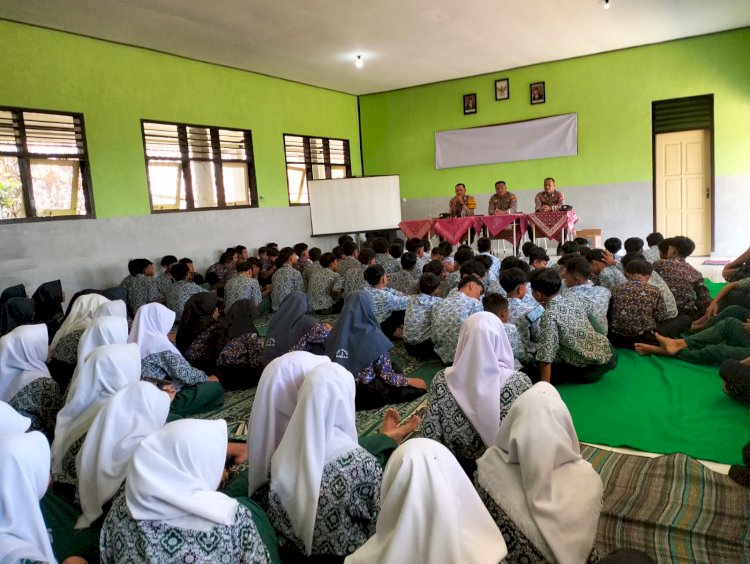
(502, 201)
(549, 199)
(462, 204)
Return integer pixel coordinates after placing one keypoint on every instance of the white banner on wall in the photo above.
(542, 138)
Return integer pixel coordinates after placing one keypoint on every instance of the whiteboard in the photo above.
(354, 205)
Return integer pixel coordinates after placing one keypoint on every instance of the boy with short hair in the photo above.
(484, 246)
(383, 257)
(633, 245)
(463, 255)
(142, 289)
(242, 287)
(354, 278)
(418, 318)
(596, 298)
(349, 260)
(538, 258)
(326, 286)
(165, 280)
(314, 255)
(513, 281)
(491, 285)
(449, 315)
(498, 305)
(687, 284)
(652, 253)
(389, 304)
(416, 245)
(406, 280)
(179, 293)
(303, 257)
(613, 245)
(603, 267)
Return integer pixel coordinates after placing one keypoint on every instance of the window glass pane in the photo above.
(57, 185)
(232, 145)
(235, 184)
(51, 134)
(162, 140)
(337, 151)
(199, 142)
(295, 150)
(297, 179)
(319, 172)
(7, 134)
(166, 186)
(11, 192)
(317, 154)
(338, 171)
(204, 184)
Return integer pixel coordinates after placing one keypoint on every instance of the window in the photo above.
(198, 167)
(43, 166)
(313, 158)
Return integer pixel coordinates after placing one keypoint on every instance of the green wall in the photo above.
(116, 86)
(612, 94)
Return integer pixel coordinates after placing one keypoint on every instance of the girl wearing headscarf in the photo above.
(357, 343)
(423, 478)
(24, 475)
(11, 421)
(25, 382)
(196, 391)
(470, 399)
(113, 308)
(106, 370)
(323, 496)
(201, 314)
(544, 497)
(48, 300)
(17, 291)
(14, 313)
(239, 363)
(170, 510)
(114, 434)
(292, 329)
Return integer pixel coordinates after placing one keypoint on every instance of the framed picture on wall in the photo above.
(502, 89)
(537, 94)
(470, 103)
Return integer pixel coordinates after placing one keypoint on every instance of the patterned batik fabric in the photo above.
(167, 365)
(69, 472)
(405, 281)
(307, 274)
(597, 299)
(66, 349)
(302, 264)
(610, 277)
(567, 335)
(658, 282)
(381, 368)
(652, 254)
(319, 290)
(39, 400)
(386, 301)
(418, 318)
(241, 288)
(223, 271)
(178, 295)
(246, 349)
(447, 318)
(125, 540)
(503, 203)
(636, 308)
(687, 285)
(316, 335)
(142, 290)
(389, 264)
(354, 280)
(346, 264)
(348, 506)
(284, 281)
(494, 272)
(449, 283)
(163, 284)
(445, 422)
(528, 333)
(519, 353)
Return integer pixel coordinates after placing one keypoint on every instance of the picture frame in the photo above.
(537, 93)
(502, 89)
(470, 104)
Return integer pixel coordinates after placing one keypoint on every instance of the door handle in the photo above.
(708, 193)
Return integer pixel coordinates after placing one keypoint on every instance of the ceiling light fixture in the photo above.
(358, 62)
(606, 4)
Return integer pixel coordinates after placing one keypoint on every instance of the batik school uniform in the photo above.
(320, 290)
(308, 272)
(457, 416)
(178, 295)
(389, 306)
(284, 281)
(493, 287)
(687, 285)
(520, 356)
(651, 254)
(569, 341)
(447, 318)
(609, 277)
(143, 290)
(418, 326)
(494, 272)
(354, 280)
(449, 283)
(389, 264)
(596, 299)
(637, 309)
(405, 281)
(346, 264)
(25, 381)
(528, 333)
(223, 271)
(421, 262)
(303, 264)
(163, 282)
(241, 288)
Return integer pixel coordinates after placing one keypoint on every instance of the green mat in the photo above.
(660, 405)
(714, 287)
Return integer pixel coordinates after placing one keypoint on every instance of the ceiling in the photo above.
(403, 42)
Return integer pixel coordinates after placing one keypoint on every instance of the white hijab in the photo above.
(482, 366)
(81, 314)
(151, 326)
(110, 441)
(430, 512)
(535, 473)
(275, 400)
(11, 421)
(107, 370)
(174, 474)
(115, 308)
(321, 429)
(23, 353)
(24, 475)
(101, 331)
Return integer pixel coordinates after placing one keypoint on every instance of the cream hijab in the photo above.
(11, 421)
(24, 474)
(105, 371)
(151, 325)
(174, 474)
(110, 441)
(535, 473)
(23, 353)
(80, 315)
(430, 512)
(321, 429)
(115, 308)
(482, 366)
(275, 400)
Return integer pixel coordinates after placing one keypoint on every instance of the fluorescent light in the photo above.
(358, 62)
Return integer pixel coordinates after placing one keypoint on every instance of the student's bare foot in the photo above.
(391, 419)
(644, 349)
(392, 429)
(670, 346)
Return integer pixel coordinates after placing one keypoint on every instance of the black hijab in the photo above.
(356, 340)
(16, 312)
(196, 318)
(18, 291)
(287, 325)
(239, 320)
(48, 300)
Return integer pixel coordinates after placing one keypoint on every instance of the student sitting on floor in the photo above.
(418, 318)
(637, 307)
(292, 328)
(603, 267)
(484, 246)
(469, 400)
(735, 294)
(491, 285)
(64, 346)
(142, 289)
(14, 313)
(463, 255)
(244, 286)
(388, 303)
(383, 257)
(513, 281)
(286, 279)
(240, 363)
(326, 286)
(687, 284)
(416, 245)
(406, 280)
(538, 258)
(359, 345)
(633, 245)
(354, 279)
(303, 254)
(314, 254)
(569, 348)
(652, 253)
(349, 260)
(596, 298)
(498, 305)
(614, 246)
(179, 292)
(450, 314)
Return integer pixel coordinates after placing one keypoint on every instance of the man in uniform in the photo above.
(462, 204)
(549, 199)
(502, 201)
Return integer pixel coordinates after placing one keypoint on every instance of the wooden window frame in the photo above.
(309, 163)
